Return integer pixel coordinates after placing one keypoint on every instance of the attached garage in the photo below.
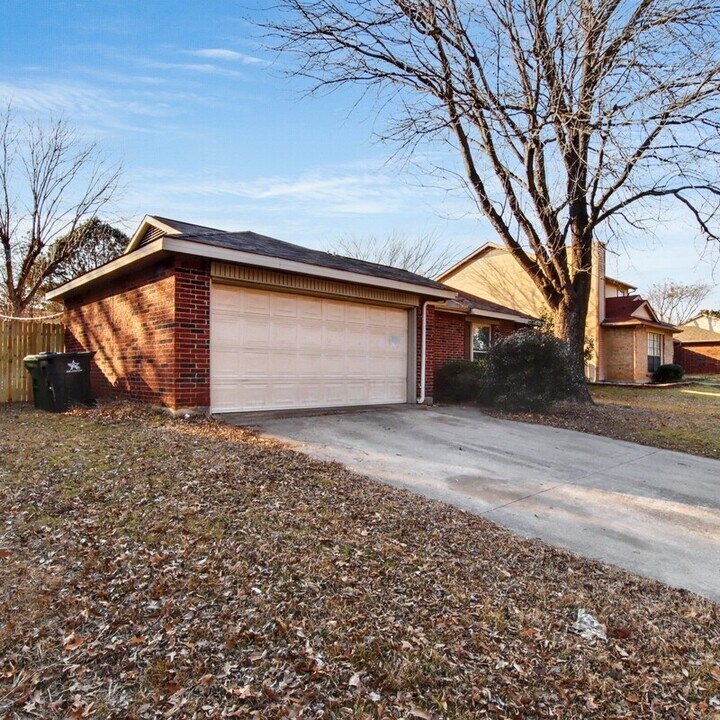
(275, 351)
(196, 318)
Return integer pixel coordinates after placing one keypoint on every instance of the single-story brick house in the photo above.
(697, 345)
(195, 318)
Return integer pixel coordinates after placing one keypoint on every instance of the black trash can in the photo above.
(60, 380)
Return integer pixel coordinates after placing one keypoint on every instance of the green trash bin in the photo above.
(43, 398)
(60, 380)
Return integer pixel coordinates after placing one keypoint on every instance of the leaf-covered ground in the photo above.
(167, 568)
(686, 419)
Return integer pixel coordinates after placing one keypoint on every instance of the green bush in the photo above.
(668, 373)
(529, 370)
(459, 381)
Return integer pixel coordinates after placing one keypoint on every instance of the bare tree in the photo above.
(676, 302)
(572, 119)
(424, 255)
(50, 182)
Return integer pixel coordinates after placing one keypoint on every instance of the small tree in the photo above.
(424, 255)
(676, 302)
(95, 243)
(50, 183)
(529, 370)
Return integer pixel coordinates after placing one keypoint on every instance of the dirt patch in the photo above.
(183, 568)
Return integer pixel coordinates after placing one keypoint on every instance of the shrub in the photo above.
(529, 370)
(668, 373)
(459, 381)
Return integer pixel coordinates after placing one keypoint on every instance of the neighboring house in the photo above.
(705, 319)
(625, 338)
(191, 317)
(697, 345)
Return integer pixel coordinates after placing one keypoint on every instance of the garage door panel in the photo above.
(273, 350)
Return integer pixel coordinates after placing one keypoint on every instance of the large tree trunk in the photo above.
(569, 324)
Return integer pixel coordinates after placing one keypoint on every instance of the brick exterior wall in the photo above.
(192, 334)
(699, 359)
(150, 331)
(625, 353)
(448, 338)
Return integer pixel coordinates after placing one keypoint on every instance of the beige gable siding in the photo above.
(497, 276)
(643, 314)
(706, 322)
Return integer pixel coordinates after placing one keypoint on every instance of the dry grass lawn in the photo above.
(684, 418)
(155, 568)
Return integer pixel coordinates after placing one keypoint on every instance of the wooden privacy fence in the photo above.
(19, 338)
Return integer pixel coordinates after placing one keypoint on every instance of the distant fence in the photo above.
(19, 338)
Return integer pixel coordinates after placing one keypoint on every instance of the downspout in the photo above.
(423, 352)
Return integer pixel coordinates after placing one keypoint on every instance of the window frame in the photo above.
(482, 353)
(654, 361)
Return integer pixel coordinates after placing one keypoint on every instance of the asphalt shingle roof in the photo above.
(620, 310)
(697, 335)
(251, 242)
(481, 304)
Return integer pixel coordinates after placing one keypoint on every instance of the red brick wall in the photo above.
(699, 359)
(192, 334)
(448, 338)
(150, 334)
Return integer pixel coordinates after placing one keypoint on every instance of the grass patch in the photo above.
(155, 568)
(686, 419)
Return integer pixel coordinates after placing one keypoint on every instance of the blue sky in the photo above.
(209, 130)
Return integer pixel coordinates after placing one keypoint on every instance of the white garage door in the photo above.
(275, 351)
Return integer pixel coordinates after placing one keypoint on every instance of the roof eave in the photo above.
(138, 257)
(212, 252)
(188, 247)
(147, 222)
(501, 316)
(621, 283)
(634, 322)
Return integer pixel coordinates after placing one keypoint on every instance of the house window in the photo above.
(480, 342)
(654, 351)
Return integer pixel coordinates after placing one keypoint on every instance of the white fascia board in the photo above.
(501, 316)
(212, 252)
(111, 267)
(147, 222)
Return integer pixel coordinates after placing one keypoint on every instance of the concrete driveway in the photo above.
(654, 512)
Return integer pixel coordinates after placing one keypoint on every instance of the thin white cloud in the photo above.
(203, 68)
(223, 54)
(361, 194)
(336, 192)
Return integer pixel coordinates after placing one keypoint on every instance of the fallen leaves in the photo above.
(659, 417)
(154, 568)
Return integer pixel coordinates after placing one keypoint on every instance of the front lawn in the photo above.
(684, 418)
(156, 568)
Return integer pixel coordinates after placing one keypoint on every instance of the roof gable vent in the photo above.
(152, 234)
